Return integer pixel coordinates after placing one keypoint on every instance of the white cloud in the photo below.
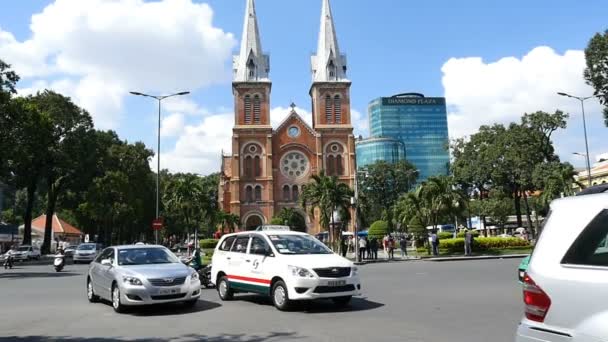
(278, 114)
(360, 123)
(480, 93)
(198, 147)
(172, 125)
(105, 48)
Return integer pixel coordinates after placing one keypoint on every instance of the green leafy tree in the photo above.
(69, 158)
(381, 185)
(326, 195)
(596, 73)
(29, 132)
(290, 217)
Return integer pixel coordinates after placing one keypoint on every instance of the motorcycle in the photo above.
(59, 262)
(204, 274)
(8, 261)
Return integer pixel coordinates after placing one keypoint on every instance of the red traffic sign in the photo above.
(157, 224)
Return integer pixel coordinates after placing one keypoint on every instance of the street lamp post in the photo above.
(355, 203)
(159, 99)
(582, 100)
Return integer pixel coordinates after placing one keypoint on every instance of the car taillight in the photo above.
(536, 300)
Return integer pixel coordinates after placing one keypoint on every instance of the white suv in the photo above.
(26, 252)
(285, 265)
(566, 285)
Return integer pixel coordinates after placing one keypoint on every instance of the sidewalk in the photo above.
(412, 256)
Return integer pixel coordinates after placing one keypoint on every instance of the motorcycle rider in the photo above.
(60, 254)
(195, 260)
(9, 259)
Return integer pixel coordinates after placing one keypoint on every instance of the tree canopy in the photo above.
(596, 72)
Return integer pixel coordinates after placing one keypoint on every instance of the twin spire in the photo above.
(252, 65)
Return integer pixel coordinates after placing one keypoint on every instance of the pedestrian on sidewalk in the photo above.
(373, 245)
(343, 246)
(362, 247)
(403, 246)
(385, 245)
(368, 248)
(468, 242)
(435, 243)
(391, 248)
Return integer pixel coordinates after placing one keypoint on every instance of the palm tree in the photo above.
(327, 195)
(228, 220)
(442, 199)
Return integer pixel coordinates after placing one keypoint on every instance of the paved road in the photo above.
(407, 301)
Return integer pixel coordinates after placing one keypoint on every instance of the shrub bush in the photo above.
(481, 244)
(208, 243)
(474, 232)
(378, 229)
(445, 235)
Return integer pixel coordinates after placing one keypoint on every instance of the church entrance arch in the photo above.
(253, 221)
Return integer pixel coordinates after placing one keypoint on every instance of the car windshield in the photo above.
(86, 247)
(145, 256)
(298, 244)
(23, 249)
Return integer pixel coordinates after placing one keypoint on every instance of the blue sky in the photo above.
(492, 60)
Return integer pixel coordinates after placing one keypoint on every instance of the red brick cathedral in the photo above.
(269, 167)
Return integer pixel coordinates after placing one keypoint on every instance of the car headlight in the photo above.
(300, 272)
(194, 277)
(355, 271)
(132, 281)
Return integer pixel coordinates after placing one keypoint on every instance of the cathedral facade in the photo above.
(269, 167)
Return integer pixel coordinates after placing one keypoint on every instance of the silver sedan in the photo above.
(141, 275)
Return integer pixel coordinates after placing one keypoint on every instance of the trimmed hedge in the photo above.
(482, 243)
(208, 243)
(474, 232)
(378, 229)
(445, 235)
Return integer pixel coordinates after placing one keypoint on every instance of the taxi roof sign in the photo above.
(272, 227)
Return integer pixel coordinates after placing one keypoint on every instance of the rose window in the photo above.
(294, 165)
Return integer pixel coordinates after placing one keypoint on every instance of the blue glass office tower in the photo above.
(372, 150)
(420, 123)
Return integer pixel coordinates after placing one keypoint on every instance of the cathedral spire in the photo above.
(251, 64)
(328, 65)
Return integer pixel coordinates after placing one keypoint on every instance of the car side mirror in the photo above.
(268, 253)
(106, 262)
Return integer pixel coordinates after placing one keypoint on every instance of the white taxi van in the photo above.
(285, 265)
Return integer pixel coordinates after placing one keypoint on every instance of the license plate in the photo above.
(336, 283)
(168, 291)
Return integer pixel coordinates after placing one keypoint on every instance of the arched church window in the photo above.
(339, 166)
(295, 193)
(332, 69)
(338, 109)
(251, 69)
(286, 194)
(247, 109)
(258, 193)
(256, 109)
(330, 165)
(257, 166)
(249, 194)
(328, 113)
(248, 167)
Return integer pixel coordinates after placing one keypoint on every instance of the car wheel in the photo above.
(342, 301)
(116, 304)
(224, 290)
(91, 292)
(280, 297)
